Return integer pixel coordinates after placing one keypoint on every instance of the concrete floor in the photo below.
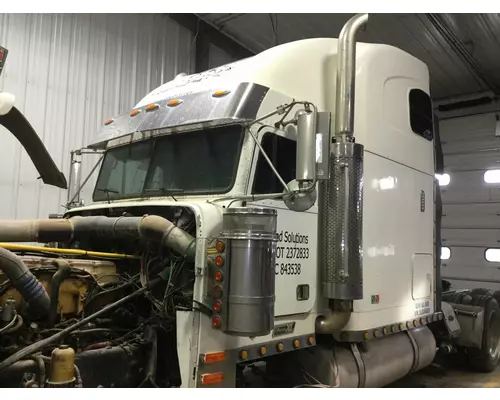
(444, 373)
(438, 376)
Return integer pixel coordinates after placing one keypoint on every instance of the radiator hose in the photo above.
(25, 282)
(63, 271)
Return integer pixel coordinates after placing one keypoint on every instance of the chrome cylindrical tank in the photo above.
(341, 223)
(249, 286)
(380, 363)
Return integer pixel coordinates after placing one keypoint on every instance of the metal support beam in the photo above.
(461, 51)
(206, 34)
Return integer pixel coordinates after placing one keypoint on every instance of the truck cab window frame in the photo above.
(282, 151)
(200, 162)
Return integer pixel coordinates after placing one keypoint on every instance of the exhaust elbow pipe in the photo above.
(336, 320)
(346, 71)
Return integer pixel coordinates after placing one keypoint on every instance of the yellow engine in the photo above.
(73, 289)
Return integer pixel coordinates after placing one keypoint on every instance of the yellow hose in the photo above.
(22, 247)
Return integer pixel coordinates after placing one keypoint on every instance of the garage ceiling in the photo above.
(462, 51)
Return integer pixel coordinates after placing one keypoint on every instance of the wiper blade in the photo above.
(168, 192)
(164, 190)
(108, 191)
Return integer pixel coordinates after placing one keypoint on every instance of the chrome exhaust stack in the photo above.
(346, 76)
(340, 205)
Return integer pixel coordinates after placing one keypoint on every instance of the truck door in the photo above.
(296, 267)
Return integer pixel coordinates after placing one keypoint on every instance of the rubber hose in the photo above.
(17, 326)
(41, 370)
(25, 282)
(10, 324)
(62, 273)
(78, 376)
(37, 346)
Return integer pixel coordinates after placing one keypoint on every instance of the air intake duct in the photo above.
(149, 228)
(25, 282)
(249, 283)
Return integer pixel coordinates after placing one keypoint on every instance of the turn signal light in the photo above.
(243, 355)
(133, 113)
(310, 340)
(211, 379)
(296, 344)
(108, 122)
(219, 261)
(216, 321)
(217, 306)
(263, 351)
(280, 347)
(217, 291)
(212, 358)
(220, 246)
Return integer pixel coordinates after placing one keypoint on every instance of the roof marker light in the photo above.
(220, 93)
(174, 102)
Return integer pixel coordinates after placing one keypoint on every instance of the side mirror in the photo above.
(313, 147)
(306, 147)
(301, 201)
(313, 155)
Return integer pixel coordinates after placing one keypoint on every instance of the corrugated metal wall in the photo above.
(218, 57)
(471, 207)
(69, 73)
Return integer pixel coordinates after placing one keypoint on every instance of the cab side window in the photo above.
(421, 116)
(282, 152)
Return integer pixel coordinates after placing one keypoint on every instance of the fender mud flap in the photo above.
(471, 320)
(18, 125)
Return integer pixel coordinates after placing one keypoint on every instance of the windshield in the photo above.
(201, 162)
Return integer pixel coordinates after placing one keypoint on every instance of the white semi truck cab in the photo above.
(299, 190)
